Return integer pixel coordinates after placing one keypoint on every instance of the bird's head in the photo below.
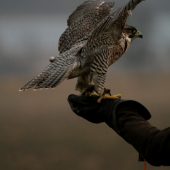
(132, 32)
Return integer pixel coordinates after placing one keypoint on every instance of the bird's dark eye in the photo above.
(134, 31)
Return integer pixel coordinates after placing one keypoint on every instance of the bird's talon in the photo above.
(108, 96)
(93, 93)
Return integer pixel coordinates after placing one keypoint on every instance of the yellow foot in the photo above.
(87, 93)
(108, 96)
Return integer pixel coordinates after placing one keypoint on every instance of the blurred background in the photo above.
(38, 130)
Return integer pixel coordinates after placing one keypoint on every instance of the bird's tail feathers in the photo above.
(53, 75)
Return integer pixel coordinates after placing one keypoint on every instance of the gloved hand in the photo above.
(106, 111)
(88, 108)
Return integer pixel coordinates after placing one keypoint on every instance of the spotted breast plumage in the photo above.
(94, 40)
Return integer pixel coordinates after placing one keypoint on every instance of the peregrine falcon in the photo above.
(94, 39)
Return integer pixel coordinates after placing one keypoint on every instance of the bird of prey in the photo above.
(94, 39)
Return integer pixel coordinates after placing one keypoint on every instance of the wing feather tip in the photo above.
(22, 89)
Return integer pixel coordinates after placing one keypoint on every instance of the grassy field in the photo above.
(39, 131)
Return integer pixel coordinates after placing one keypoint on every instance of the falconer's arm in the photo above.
(129, 119)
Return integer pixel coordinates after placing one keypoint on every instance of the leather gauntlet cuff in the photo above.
(120, 103)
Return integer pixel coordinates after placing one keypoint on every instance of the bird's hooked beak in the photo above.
(139, 34)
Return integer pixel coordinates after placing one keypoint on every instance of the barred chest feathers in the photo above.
(119, 49)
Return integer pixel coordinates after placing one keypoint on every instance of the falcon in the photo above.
(94, 39)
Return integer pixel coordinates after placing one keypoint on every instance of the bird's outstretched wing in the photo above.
(115, 22)
(88, 7)
(83, 21)
(57, 71)
(82, 10)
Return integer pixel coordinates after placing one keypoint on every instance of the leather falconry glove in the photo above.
(88, 108)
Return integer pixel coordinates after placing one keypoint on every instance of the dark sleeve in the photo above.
(153, 144)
